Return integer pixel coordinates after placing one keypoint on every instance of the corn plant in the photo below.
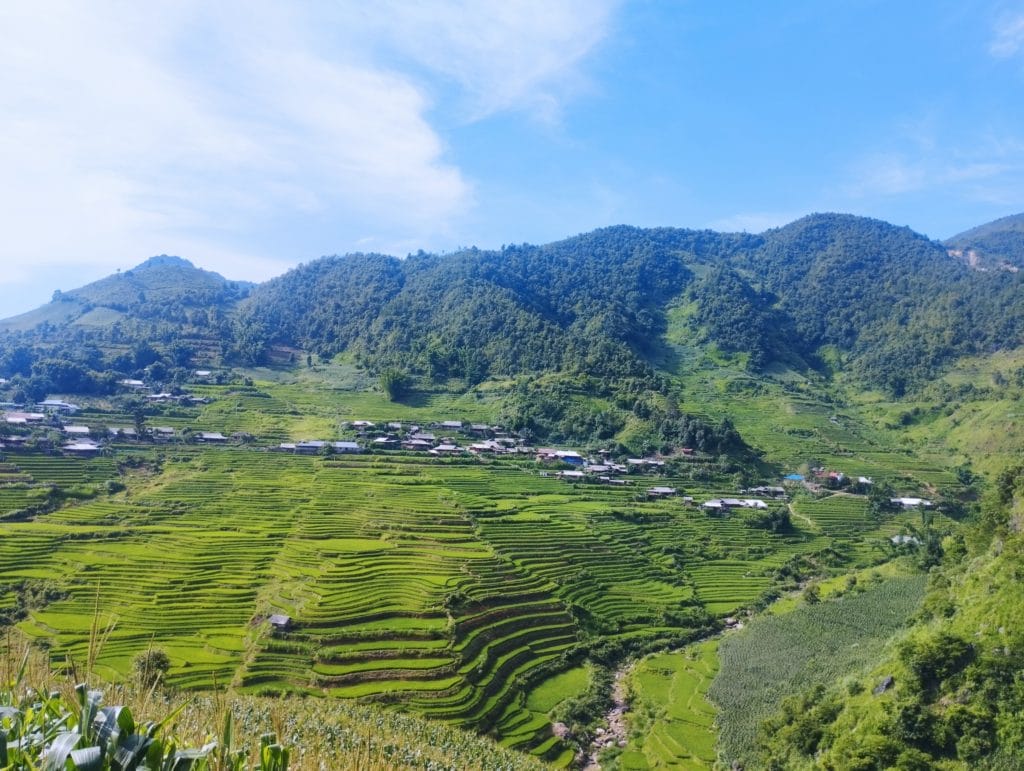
(54, 732)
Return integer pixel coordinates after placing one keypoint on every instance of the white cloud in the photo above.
(505, 54)
(209, 130)
(1008, 37)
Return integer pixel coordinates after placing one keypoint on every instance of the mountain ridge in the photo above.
(996, 245)
(896, 306)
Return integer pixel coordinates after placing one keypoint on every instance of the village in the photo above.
(35, 429)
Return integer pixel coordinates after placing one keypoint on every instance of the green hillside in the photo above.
(997, 245)
(838, 296)
(828, 292)
(806, 379)
(947, 693)
(161, 287)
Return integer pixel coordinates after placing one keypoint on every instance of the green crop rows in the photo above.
(777, 656)
(453, 587)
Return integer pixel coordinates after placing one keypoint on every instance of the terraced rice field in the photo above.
(671, 720)
(846, 520)
(451, 587)
(61, 470)
(28, 480)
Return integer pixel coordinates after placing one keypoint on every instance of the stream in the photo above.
(615, 733)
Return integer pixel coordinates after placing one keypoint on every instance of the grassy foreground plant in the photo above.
(58, 730)
(38, 704)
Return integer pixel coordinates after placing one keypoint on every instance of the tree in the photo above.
(137, 409)
(394, 383)
(181, 353)
(144, 354)
(150, 666)
(880, 499)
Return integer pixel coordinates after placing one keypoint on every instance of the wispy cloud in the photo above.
(510, 54)
(892, 174)
(754, 222)
(923, 161)
(1008, 36)
(133, 129)
(889, 174)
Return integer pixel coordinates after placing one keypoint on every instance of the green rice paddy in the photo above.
(672, 724)
(464, 590)
(455, 588)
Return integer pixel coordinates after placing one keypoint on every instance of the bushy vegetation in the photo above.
(48, 722)
(949, 694)
(817, 644)
(71, 729)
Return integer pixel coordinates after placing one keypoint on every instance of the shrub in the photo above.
(937, 658)
(151, 666)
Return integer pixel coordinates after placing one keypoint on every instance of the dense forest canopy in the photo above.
(897, 307)
(994, 245)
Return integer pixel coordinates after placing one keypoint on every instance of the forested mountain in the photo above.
(887, 305)
(995, 245)
(163, 288)
(896, 304)
(592, 304)
(161, 314)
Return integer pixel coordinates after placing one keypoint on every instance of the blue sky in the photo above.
(251, 136)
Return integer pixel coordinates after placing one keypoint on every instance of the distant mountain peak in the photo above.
(996, 245)
(165, 260)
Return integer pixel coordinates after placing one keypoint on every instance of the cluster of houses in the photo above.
(838, 479)
(602, 470)
(443, 438)
(453, 438)
(82, 440)
(822, 478)
(166, 397)
(56, 414)
(54, 411)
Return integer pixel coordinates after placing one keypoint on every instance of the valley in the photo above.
(687, 480)
(452, 587)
